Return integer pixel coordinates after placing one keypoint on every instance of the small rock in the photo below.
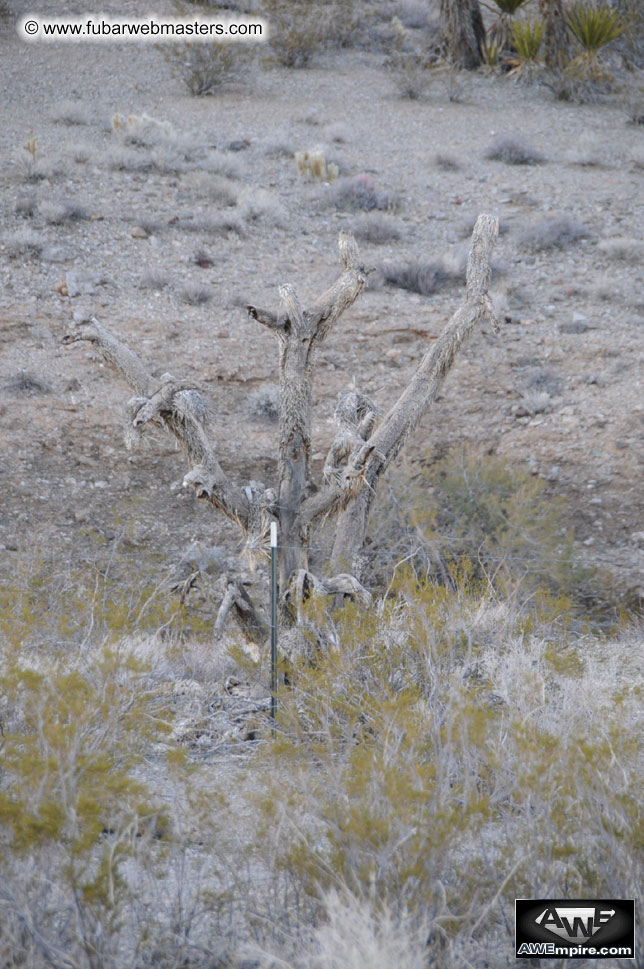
(638, 538)
(138, 232)
(239, 145)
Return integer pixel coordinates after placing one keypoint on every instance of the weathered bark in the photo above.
(237, 600)
(174, 405)
(299, 333)
(556, 40)
(370, 460)
(463, 32)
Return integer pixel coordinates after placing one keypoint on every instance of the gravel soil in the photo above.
(165, 228)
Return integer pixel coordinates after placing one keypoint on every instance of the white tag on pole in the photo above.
(273, 535)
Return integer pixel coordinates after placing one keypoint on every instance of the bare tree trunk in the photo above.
(300, 332)
(463, 32)
(556, 42)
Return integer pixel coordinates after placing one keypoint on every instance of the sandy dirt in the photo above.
(573, 317)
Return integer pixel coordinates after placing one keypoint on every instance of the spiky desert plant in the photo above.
(491, 50)
(593, 26)
(509, 6)
(527, 38)
(500, 33)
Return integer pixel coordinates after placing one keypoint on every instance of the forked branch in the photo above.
(172, 404)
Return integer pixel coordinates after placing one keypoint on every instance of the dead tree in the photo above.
(463, 32)
(362, 449)
(557, 42)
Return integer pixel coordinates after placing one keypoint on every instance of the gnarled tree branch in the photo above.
(171, 404)
(367, 464)
(299, 332)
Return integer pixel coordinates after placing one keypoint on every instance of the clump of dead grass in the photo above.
(209, 185)
(73, 113)
(377, 228)
(447, 163)
(217, 224)
(623, 249)
(513, 151)
(195, 294)
(62, 212)
(264, 403)
(261, 205)
(26, 384)
(553, 232)
(361, 192)
(23, 243)
(153, 278)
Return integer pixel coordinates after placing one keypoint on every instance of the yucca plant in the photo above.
(491, 50)
(509, 7)
(527, 39)
(500, 33)
(593, 25)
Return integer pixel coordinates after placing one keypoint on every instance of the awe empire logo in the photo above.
(575, 928)
(574, 924)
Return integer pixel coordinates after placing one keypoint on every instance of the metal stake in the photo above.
(273, 620)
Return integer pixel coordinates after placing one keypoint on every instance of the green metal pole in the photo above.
(273, 620)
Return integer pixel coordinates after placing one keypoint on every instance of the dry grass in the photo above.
(23, 243)
(195, 294)
(361, 192)
(121, 159)
(623, 249)
(377, 228)
(426, 770)
(73, 113)
(62, 212)
(446, 163)
(555, 232)
(155, 279)
(422, 277)
(222, 164)
(221, 223)
(25, 384)
(513, 151)
(208, 185)
(261, 205)
(427, 277)
(263, 403)
(26, 204)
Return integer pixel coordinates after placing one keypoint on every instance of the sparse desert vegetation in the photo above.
(460, 704)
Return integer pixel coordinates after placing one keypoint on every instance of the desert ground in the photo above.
(164, 214)
(572, 316)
